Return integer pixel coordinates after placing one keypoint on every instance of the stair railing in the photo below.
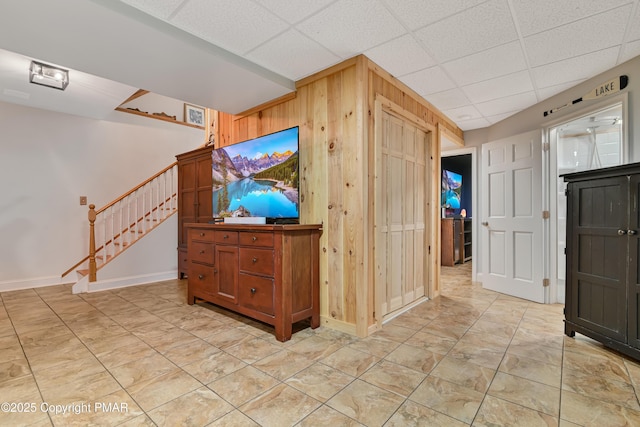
(120, 223)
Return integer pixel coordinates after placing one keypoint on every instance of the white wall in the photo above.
(48, 160)
(533, 118)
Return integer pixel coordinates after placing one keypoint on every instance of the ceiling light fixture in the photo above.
(48, 75)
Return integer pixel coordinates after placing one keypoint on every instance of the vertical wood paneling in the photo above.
(335, 112)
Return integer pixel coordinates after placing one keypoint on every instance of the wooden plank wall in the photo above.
(334, 110)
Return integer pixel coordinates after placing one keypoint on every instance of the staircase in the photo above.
(118, 225)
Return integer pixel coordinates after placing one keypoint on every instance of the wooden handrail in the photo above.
(137, 187)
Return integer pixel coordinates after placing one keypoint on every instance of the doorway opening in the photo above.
(596, 139)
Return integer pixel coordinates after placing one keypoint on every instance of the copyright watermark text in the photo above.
(66, 408)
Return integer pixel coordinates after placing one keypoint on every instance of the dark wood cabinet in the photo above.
(456, 243)
(602, 290)
(195, 192)
(267, 272)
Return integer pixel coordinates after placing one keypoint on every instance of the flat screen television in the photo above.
(451, 189)
(258, 178)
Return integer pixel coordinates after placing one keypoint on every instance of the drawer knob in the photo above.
(202, 251)
(226, 236)
(254, 238)
(622, 232)
(255, 260)
(200, 276)
(215, 270)
(253, 290)
(201, 234)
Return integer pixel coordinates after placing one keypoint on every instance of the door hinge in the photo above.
(546, 282)
(545, 215)
(546, 146)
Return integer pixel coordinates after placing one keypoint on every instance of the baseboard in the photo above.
(125, 282)
(39, 282)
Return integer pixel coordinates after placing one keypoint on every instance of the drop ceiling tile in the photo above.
(468, 32)
(634, 28)
(401, 56)
(431, 80)
(293, 13)
(448, 99)
(498, 61)
(416, 14)
(630, 50)
(507, 104)
(577, 38)
(349, 27)
(159, 8)
(548, 92)
(234, 25)
(500, 87)
(500, 117)
(472, 124)
(468, 112)
(292, 55)
(540, 15)
(580, 67)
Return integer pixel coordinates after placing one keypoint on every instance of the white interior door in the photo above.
(401, 232)
(512, 232)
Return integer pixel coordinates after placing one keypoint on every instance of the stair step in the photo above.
(83, 272)
(124, 244)
(101, 257)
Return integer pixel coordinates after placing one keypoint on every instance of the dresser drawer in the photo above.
(256, 293)
(257, 261)
(230, 237)
(201, 277)
(256, 239)
(201, 252)
(200, 234)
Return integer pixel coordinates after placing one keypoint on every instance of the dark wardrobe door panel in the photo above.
(598, 282)
(632, 259)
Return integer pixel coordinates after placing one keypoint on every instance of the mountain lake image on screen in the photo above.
(258, 177)
(451, 189)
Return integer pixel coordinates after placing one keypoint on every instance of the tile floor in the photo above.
(140, 356)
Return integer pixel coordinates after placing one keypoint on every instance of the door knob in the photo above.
(485, 223)
(621, 232)
(631, 232)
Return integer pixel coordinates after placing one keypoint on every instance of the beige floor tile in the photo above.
(412, 414)
(214, 367)
(531, 394)
(197, 408)
(142, 370)
(252, 350)
(431, 342)
(589, 412)
(122, 355)
(14, 368)
(378, 346)
(320, 381)
(234, 419)
(83, 389)
(395, 333)
(228, 337)
(159, 390)
(68, 372)
(243, 385)
(498, 412)
(393, 377)
(545, 373)
(283, 364)
(448, 398)
(414, 358)
(350, 361)
(315, 347)
(473, 376)
(280, 406)
(191, 351)
(611, 368)
(597, 387)
(540, 353)
(366, 403)
(326, 416)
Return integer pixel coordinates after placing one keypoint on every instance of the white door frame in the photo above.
(474, 204)
(555, 292)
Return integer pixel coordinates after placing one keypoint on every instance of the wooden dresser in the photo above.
(267, 272)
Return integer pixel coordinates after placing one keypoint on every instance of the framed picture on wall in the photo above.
(193, 115)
